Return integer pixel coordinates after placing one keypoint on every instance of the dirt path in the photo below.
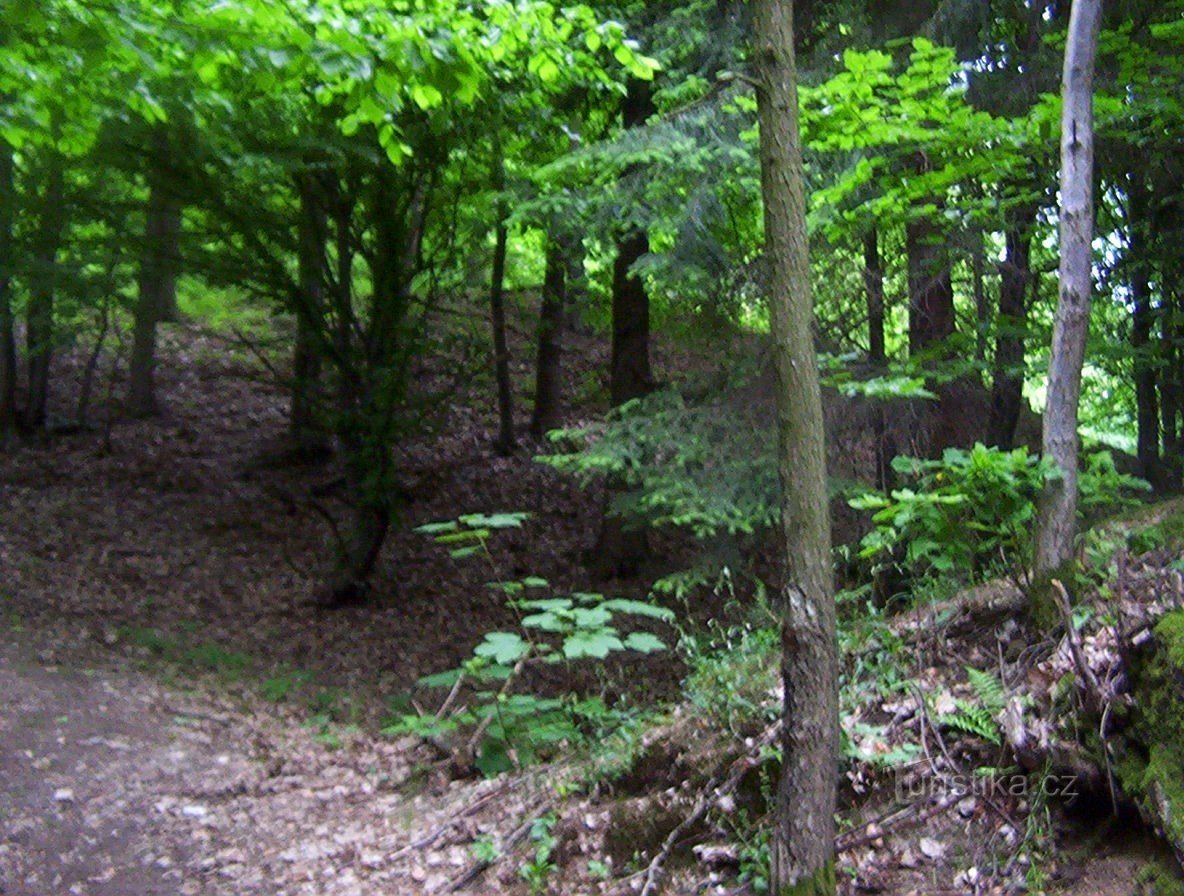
(115, 785)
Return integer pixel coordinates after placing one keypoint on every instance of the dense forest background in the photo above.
(412, 360)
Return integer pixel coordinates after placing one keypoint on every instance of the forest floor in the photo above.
(176, 716)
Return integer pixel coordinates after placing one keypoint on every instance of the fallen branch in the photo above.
(507, 846)
(706, 803)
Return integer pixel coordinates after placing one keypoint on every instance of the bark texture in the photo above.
(802, 845)
(497, 312)
(7, 257)
(1057, 522)
(1015, 277)
(39, 319)
(157, 286)
(552, 324)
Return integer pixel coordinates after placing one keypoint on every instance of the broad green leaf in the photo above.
(503, 647)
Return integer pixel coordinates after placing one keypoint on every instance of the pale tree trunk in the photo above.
(802, 846)
(7, 337)
(497, 311)
(1057, 522)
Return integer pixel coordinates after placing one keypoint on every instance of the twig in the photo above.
(905, 817)
(507, 845)
(1093, 689)
(428, 839)
(706, 803)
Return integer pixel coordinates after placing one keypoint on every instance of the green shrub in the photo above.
(973, 512)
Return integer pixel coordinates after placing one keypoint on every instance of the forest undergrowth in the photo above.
(163, 570)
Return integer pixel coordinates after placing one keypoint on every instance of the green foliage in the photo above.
(979, 717)
(972, 513)
(681, 464)
(509, 730)
(733, 677)
(538, 868)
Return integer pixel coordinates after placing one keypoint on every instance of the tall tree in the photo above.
(7, 335)
(803, 839)
(1057, 520)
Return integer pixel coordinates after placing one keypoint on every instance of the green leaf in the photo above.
(638, 608)
(644, 642)
(495, 520)
(503, 647)
(597, 644)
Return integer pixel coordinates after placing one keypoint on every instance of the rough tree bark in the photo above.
(873, 281)
(42, 289)
(931, 291)
(1057, 520)
(7, 336)
(1015, 276)
(552, 323)
(802, 847)
(497, 311)
(1142, 324)
(159, 265)
(304, 428)
(621, 550)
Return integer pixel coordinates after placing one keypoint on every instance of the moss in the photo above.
(1158, 878)
(1150, 763)
(820, 883)
(1170, 633)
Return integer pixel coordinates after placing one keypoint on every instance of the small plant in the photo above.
(485, 849)
(733, 676)
(978, 718)
(504, 729)
(536, 871)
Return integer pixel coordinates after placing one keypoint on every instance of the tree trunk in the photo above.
(802, 845)
(873, 280)
(1015, 276)
(1142, 323)
(157, 286)
(7, 257)
(552, 323)
(621, 550)
(1057, 521)
(497, 311)
(1172, 386)
(931, 290)
(304, 427)
(982, 309)
(39, 319)
(631, 376)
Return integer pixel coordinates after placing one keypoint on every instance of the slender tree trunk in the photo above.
(1015, 276)
(1057, 521)
(1172, 386)
(931, 291)
(497, 311)
(39, 321)
(982, 309)
(157, 286)
(621, 550)
(631, 376)
(552, 323)
(802, 845)
(7, 258)
(304, 427)
(1142, 323)
(873, 281)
